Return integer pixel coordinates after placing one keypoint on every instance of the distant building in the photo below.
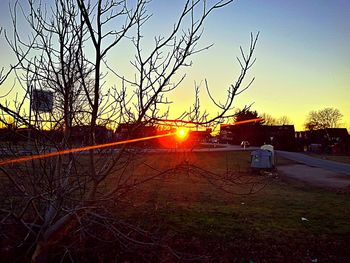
(200, 136)
(281, 136)
(81, 134)
(130, 131)
(329, 140)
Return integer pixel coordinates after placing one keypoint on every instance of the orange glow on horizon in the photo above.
(81, 149)
(180, 134)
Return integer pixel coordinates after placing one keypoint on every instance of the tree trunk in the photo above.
(41, 253)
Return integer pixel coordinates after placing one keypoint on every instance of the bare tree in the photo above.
(325, 118)
(270, 120)
(70, 195)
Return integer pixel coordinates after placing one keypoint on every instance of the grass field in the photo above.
(283, 222)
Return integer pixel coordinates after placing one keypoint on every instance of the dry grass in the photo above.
(196, 217)
(268, 223)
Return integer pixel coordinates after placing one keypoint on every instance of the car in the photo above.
(245, 144)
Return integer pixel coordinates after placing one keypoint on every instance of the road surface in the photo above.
(316, 162)
(212, 147)
(315, 171)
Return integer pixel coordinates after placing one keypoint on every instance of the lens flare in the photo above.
(81, 149)
(181, 133)
(243, 122)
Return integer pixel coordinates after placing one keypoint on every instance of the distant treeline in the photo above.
(78, 134)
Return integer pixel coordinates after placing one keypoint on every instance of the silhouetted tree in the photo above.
(284, 120)
(246, 114)
(325, 118)
(269, 120)
(57, 202)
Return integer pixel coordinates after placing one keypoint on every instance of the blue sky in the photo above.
(303, 54)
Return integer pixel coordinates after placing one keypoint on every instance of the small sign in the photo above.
(42, 100)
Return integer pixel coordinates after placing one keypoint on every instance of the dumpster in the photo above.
(261, 159)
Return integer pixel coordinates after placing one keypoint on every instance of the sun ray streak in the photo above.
(243, 122)
(81, 149)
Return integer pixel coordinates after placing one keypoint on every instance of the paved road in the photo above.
(315, 176)
(212, 147)
(316, 162)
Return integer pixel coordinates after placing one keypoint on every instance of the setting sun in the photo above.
(181, 133)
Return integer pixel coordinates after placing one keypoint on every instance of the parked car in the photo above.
(245, 144)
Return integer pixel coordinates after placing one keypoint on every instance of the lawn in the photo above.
(281, 222)
(202, 218)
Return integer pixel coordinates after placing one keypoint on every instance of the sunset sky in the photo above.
(303, 54)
